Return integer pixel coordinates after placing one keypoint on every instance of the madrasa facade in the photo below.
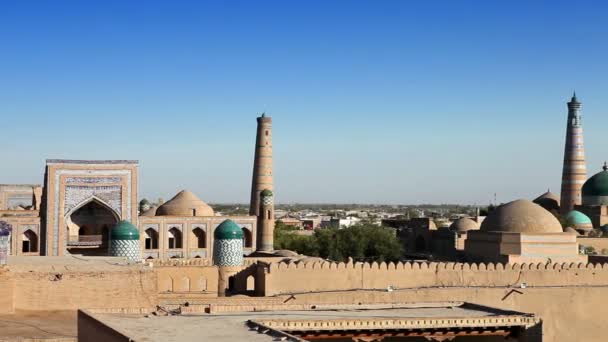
(81, 201)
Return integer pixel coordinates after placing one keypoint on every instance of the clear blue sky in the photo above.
(372, 101)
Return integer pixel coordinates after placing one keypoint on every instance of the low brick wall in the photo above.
(73, 288)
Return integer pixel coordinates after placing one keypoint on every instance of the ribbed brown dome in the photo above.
(464, 224)
(185, 203)
(549, 201)
(521, 216)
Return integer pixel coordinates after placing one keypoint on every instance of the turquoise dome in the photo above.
(596, 185)
(575, 218)
(228, 230)
(124, 230)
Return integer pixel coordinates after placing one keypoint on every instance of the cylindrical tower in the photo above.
(575, 170)
(265, 239)
(262, 163)
(124, 241)
(227, 254)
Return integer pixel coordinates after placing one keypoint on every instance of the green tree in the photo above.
(362, 242)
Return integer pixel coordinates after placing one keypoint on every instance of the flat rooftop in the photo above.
(35, 325)
(296, 325)
(68, 263)
(81, 161)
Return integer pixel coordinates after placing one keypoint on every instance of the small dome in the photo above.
(595, 189)
(228, 230)
(521, 216)
(310, 259)
(577, 219)
(464, 224)
(124, 230)
(571, 231)
(185, 203)
(285, 253)
(266, 193)
(144, 205)
(150, 212)
(549, 201)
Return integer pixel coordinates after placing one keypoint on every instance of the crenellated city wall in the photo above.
(288, 278)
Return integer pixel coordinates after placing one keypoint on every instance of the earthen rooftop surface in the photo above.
(57, 325)
(67, 263)
(232, 326)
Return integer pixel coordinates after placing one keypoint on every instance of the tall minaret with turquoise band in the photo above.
(227, 254)
(262, 163)
(574, 172)
(265, 227)
(124, 241)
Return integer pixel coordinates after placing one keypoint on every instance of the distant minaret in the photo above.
(265, 238)
(575, 170)
(262, 163)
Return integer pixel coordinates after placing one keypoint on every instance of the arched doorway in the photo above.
(29, 242)
(247, 241)
(88, 228)
(200, 238)
(175, 238)
(151, 239)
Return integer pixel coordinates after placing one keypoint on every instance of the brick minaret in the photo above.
(265, 239)
(575, 170)
(262, 163)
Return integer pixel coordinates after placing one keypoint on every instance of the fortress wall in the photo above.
(127, 287)
(6, 292)
(187, 279)
(284, 278)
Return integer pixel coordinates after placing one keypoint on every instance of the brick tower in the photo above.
(265, 240)
(575, 170)
(262, 163)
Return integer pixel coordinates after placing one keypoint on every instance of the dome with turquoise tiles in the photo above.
(266, 193)
(228, 244)
(124, 230)
(228, 230)
(124, 241)
(575, 218)
(595, 189)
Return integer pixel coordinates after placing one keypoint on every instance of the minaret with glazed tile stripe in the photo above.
(574, 172)
(262, 163)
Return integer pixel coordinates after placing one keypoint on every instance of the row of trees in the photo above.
(362, 242)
